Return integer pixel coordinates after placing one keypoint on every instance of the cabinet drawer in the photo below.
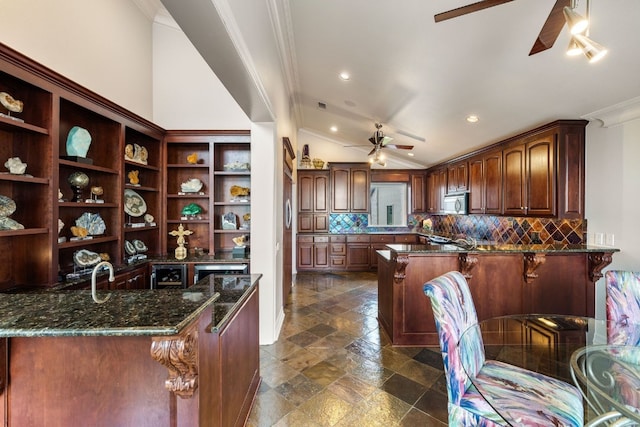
(385, 238)
(338, 249)
(321, 239)
(339, 239)
(406, 238)
(338, 261)
(305, 239)
(358, 238)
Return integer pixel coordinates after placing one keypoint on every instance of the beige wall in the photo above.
(104, 45)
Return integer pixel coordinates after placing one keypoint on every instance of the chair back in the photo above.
(623, 307)
(455, 314)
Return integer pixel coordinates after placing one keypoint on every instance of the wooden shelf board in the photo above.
(10, 124)
(94, 241)
(23, 232)
(86, 205)
(23, 178)
(86, 166)
(141, 165)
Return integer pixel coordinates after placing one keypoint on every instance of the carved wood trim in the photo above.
(598, 261)
(179, 354)
(401, 265)
(467, 263)
(531, 263)
(4, 360)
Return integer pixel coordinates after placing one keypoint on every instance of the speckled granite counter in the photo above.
(500, 248)
(126, 313)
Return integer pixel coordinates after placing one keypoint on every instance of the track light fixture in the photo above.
(580, 41)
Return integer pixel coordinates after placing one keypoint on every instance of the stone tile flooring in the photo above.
(334, 366)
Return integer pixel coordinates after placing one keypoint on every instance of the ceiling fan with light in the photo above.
(380, 141)
(563, 11)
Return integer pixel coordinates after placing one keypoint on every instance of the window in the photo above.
(388, 204)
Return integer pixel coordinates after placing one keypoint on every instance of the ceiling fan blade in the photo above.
(373, 141)
(372, 151)
(551, 28)
(470, 8)
(400, 147)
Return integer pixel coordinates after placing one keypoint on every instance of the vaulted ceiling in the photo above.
(421, 79)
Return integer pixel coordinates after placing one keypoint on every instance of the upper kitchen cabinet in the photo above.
(485, 183)
(313, 201)
(436, 189)
(349, 183)
(544, 172)
(457, 177)
(418, 182)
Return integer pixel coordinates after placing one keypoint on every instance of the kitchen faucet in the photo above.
(94, 293)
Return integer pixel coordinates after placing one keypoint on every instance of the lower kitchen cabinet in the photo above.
(313, 252)
(358, 252)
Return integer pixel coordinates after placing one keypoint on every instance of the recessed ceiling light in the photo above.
(410, 154)
(334, 129)
(345, 76)
(472, 119)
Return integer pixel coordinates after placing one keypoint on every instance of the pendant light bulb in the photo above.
(592, 50)
(573, 49)
(576, 22)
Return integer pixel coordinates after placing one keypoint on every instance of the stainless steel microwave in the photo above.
(456, 204)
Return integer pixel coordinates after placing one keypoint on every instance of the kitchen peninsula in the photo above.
(504, 279)
(143, 358)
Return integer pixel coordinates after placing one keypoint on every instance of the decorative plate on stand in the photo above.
(134, 204)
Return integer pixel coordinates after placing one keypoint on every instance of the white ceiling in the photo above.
(423, 78)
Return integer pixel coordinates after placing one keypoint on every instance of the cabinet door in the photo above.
(359, 182)
(305, 222)
(462, 175)
(320, 223)
(492, 167)
(358, 256)
(433, 192)
(320, 255)
(320, 192)
(418, 193)
(540, 155)
(339, 189)
(305, 255)
(476, 186)
(306, 195)
(515, 202)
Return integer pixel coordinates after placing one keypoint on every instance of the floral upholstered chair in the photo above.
(623, 307)
(533, 399)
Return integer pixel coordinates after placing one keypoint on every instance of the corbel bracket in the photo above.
(531, 263)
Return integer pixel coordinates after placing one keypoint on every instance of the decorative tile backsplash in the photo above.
(484, 228)
(507, 230)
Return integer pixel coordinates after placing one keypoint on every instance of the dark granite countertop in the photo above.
(126, 313)
(499, 248)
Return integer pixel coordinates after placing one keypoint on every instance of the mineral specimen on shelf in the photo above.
(239, 241)
(193, 185)
(140, 154)
(229, 221)
(92, 222)
(16, 166)
(10, 224)
(237, 166)
(10, 103)
(148, 218)
(60, 225)
(78, 142)
(238, 191)
(85, 258)
(191, 209)
(7, 206)
(192, 158)
(133, 177)
(79, 231)
(128, 152)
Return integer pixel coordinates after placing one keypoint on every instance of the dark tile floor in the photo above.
(333, 366)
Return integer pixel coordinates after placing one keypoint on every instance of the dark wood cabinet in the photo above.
(457, 177)
(418, 192)
(485, 184)
(313, 252)
(436, 190)
(221, 161)
(529, 172)
(378, 242)
(313, 201)
(358, 252)
(349, 184)
(338, 252)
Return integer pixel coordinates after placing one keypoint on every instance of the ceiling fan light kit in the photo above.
(592, 50)
(576, 22)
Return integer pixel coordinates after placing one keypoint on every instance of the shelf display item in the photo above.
(15, 166)
(79, 233)
(318, 163)
(85, 258)
(7, 208)
(96, 192)
(139, 246)
(78, 182)
(149, 219)
(229, 221)
(192, 159)
(134, 204)
(305, 161)
(78, 143)
(134, 177)
(192, 185)
(136, 153)
(129, 248)
(239, 193)
(191, 211)
(128, 152)
(246, 221)
(92, 222)
(237, 166)
(180, 233)
(12, 105)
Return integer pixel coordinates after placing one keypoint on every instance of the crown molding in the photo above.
(616, 114)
